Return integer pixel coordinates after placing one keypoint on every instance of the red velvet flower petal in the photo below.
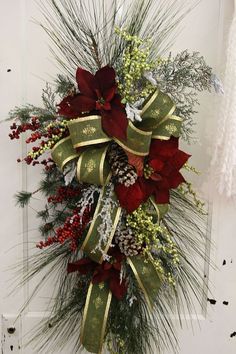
(86, 83)
(117, 266)
(105, 79)
(162, 196)
(118, 289)
(109, 94)
(107, 266)
(129, 197)
(175, 179)
(100, 276)
(83, 104)
(179, 159)
(115, 122)
(157, 164)
(65, 108)
(117, 101)
(164, 148)
(84, 266)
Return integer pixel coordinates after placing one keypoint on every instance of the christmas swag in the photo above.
(123, 229)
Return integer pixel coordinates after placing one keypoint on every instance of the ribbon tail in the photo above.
(95, 317)
(147, 278)
(63, 152)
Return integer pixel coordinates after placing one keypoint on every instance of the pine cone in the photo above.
(121, 169)
(125, 239)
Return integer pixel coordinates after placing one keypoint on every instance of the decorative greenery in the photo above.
(182, 77)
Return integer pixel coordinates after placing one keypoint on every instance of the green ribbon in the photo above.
(95, 317)
(63, 152)
(93, 238)
(87, 131)
(138, 141)
(92, 166)
(147, 278)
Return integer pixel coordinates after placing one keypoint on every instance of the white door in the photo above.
(25, 65)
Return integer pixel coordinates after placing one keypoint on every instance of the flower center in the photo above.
(102, 104)
(148, 171)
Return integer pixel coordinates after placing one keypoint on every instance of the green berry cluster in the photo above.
(59, 128)
(187, 189)
(156, 241)
(148, 171)
(190, 168)
(135, 61)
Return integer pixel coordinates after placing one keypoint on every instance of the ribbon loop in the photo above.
(63, 152)
(86, 131)
(138, 141)
(92, 166)
(158, 106)
(171, 125)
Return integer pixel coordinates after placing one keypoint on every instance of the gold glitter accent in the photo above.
(89, 130)
(90, 165)
(171, 128)
(155, 112)
(98, 302)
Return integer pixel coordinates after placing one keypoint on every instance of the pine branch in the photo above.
(23, 198)
(64, 85)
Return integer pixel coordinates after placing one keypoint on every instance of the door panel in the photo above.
(24, 50)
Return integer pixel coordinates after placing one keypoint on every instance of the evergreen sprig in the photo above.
(23, 198)
(83, 35)
(182, 77)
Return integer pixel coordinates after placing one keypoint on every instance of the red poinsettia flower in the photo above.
(164, 162)
(98, 93)
(106, 272)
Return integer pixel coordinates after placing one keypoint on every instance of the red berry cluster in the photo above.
(50, 132)
(71, 230)
(21, 128)
(64, 193)
(33, 137)
(46, 162)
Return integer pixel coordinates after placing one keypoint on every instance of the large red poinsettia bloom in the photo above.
(106, 272)
(164, 162)
(97, 93)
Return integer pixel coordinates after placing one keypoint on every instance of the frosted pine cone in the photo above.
(120, 167)
(125, 239)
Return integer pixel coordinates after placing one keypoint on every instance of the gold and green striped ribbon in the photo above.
(92, 166)
(171, 125)
(92, 239)
(138, 141)
(147, 278)
(86, 131)
(63, 152)
(95, 317)
(157, 107)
